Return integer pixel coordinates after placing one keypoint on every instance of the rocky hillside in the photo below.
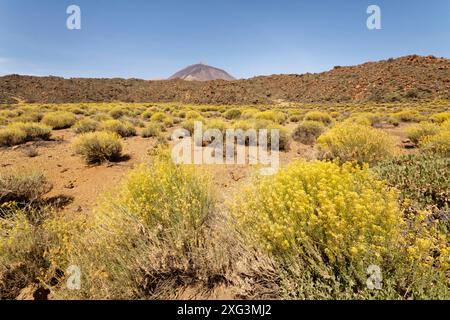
(403, 79)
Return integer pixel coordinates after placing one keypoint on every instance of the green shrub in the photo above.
(33, 131)
(353, 142)
(232, 114)
(11, 137)
(308, 131)
(193, 115)
(161, 117)
(22, 187)
(217, 124)
(408, 116)
(122, 128)
(147, 114)
(424, 179)
(189, 125)
(18, 133)
(86, 125)
(295, 118)
(118, 112)
(59, 119)
(97, 147)
(249, 113)
(242, 124)
(437, 144)
(319, 116)
(284, 140)
(271, 115)
(151, 130)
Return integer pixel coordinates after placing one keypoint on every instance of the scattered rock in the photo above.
(69, 185)
(33, 292)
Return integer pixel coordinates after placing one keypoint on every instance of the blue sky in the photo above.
(152, 39)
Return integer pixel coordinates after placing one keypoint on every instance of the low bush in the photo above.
(97, 147)
(440, 117)
(11, 137)
(193, 115)
(421, 130)
(295, 118)
(283, 136)
(408, 116)
(118, 112)
(437, 144)
(326, 224)
(217, 124)
(423, 179)
(319, 116)
(22, 186)
(147, 114)
(59, 119)
(151, 130)
(308, 131)
(352, 142)
(232, 114)
(249, 113)
(271, 115)
(86, 125)
(162, 118)
(122, 128)
(33, 131)
(18, 133)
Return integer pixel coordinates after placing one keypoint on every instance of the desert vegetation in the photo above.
(360, 185)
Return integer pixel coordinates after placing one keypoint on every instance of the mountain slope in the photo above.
(403, 79)
(201, 72)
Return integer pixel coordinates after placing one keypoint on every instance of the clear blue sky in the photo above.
(151, 39)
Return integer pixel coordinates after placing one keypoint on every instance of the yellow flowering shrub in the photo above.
(271, 115)
(438, 144)
(153, 226)
(59, 119)
(440, 117)
(344, 211)
(325, 224)
(446, 124)
(421, 130)
(320, 116)
(122, 128)
(97, 147)
(170, 197)
(354, 142)
(16, 235)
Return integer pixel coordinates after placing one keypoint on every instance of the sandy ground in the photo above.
(80, 184)
(71, 178)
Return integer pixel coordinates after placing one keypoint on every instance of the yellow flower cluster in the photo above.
(172, 198)
(426, 244)
(439, 143)
(355, 142)
(344, 211)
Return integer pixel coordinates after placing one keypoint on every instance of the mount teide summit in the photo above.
(201, 72)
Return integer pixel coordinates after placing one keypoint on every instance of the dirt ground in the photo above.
(78, 185)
